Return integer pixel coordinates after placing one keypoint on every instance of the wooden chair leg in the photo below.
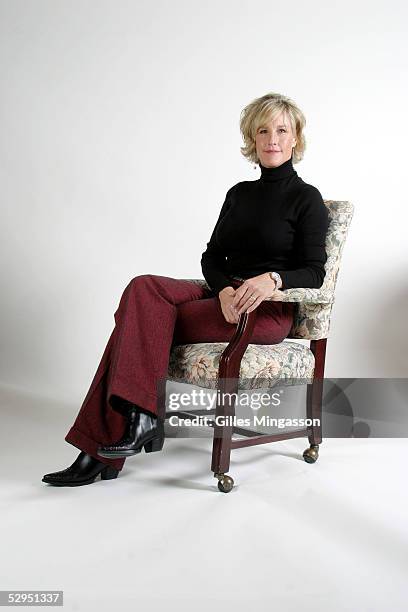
(228, 383)
(314, 399)
(224, 415)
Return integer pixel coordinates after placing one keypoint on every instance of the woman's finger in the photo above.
(251, 300)
(258, 301)
(239, 298)
(228, 317)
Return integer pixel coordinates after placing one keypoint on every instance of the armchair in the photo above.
(229, 367)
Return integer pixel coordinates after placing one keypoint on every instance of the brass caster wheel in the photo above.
(311, 454)
(225, 483)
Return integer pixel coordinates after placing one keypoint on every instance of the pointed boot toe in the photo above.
(83, 471)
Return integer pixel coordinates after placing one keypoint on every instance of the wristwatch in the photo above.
(277, 278)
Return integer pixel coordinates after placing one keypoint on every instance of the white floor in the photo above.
(328, 536)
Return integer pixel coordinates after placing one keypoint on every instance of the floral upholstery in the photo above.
(263, 365)
(198, 363)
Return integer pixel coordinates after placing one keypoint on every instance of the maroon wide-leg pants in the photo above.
(155, 313)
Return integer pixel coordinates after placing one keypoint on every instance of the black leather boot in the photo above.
(83, 471)
(143, 430)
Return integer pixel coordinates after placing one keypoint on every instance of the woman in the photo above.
(270, 235)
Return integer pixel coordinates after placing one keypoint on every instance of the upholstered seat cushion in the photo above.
(262, 366)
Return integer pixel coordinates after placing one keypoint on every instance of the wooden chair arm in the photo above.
(230, 360)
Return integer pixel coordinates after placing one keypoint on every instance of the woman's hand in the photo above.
(226, 297)
(252, 292)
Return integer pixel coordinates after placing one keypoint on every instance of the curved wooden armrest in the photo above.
(230, 360)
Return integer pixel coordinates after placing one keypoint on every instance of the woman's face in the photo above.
(274, 142)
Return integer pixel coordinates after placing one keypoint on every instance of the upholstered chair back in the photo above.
(314, 306)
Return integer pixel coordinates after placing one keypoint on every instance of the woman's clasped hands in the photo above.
(247, 297)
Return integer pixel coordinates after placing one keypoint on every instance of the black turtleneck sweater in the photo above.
(277, 223)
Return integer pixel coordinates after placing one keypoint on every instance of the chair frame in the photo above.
(228, 382)
(341, 213)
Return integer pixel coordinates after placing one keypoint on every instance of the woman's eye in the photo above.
(280, 129)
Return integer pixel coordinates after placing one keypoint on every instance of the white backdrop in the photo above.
(120, 138)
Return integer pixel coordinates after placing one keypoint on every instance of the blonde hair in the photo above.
(263, 109)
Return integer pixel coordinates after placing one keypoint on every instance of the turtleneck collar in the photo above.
(280, 172)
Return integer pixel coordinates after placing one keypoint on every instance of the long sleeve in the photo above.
(311, 231)
(213, 259)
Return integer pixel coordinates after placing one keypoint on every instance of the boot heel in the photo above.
(154, 445)
(109, 472)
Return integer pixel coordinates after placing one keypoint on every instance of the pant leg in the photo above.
(135, 358)
(154, 313)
